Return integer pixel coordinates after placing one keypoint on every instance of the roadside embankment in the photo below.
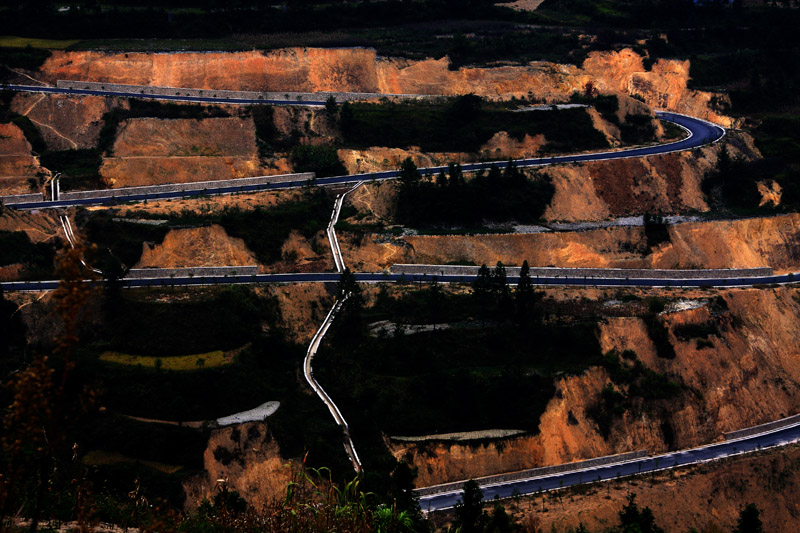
(664, 85)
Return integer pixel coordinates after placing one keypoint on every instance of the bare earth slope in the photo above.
(152, 151)
(361, 70)
(708, 497)
(192, 247)
(17, 164)
(747, 243)
(749, 376)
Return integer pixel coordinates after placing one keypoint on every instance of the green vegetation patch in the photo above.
(180, 362)
(462, 125)
(220, 321)
(322, 160)
(117, 242)
(80, 168)
(496, 196)
(38, 258)
(10, 41)
(26, 57)
(451, 380)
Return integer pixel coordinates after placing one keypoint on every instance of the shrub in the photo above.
(655, 230)
(696, 331)
(322, 160)
(80, 168)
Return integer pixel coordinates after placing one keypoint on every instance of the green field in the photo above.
(11, 41)
(181, 362)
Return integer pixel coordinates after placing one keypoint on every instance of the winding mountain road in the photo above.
(700, 133)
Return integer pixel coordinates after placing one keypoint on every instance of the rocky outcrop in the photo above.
(747, 243)
(747, 376)
(361, 70)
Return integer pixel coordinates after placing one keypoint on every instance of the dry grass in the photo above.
(181, 363)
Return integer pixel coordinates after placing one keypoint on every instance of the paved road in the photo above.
(198, 99)
(377, 277)
(700, 133)
(637, 466)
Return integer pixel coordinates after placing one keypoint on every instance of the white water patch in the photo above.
(466, 435)
(684, 305)
(253, 415)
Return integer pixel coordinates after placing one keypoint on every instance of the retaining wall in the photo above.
(769, 426)
(197, 186)
(21, 199)
(616, 273)
(534, 473)
(236, 95)
(223, 271)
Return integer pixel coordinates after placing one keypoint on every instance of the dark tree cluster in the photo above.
(463, 124)
(448, 199)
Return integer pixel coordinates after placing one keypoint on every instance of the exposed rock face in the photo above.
(752, 242)
(749, 376)
(291, 69)
(592, 191)
(361, 70)
(748, 243)
(249, 459)
(196, 247)
(66, 122)
(16, 162)
(152, 151)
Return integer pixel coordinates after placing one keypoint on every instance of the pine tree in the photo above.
(469, 515)
(483, 283)
(524, 292)
(456, 178)
(409, 175)
(441, 179)
(500, 280)
(749, 520)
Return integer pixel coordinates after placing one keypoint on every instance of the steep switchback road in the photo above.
(699, 131)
